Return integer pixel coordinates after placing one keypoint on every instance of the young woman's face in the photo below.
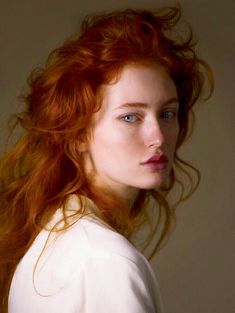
(135, 131)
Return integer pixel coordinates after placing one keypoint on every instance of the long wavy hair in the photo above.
(45, 165)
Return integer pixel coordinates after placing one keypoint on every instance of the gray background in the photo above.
(196, 269)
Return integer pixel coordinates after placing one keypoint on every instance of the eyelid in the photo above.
(136, 114)
(140, 114)
(170, 110)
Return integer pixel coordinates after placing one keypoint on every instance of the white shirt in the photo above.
(88, 268)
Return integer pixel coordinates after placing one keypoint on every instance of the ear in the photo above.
(78, 146)
(82, 146)
(82, 142)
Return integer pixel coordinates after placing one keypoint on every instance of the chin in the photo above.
(155, 184)
(152, 186)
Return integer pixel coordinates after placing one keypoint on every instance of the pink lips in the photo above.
(156, 162)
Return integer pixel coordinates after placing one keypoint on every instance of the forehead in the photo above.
(139, 84)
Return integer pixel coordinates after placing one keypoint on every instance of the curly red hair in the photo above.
(45, 166)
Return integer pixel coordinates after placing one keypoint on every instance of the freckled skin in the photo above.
(126, 136)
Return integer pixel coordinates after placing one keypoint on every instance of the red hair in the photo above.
(45, 166)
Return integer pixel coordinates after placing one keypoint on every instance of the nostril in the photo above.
(156, 143)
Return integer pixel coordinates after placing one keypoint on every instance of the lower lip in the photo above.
(157, 166)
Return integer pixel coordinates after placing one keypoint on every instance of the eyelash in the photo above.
(164, 115)
(136, 116)
(172, 112)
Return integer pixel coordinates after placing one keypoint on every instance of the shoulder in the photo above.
(90, 236)
(88, 258)
(87, 240)
(108, 268)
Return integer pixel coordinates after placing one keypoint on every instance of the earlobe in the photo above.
(83, 142)
(82, 146)
(78, 147)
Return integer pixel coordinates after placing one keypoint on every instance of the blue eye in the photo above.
(168, 115)
(130, 118)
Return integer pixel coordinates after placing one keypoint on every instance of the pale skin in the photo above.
(137, 121)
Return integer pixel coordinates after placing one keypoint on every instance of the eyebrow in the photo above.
(145, 105)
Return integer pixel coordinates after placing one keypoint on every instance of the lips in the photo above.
(156, 162)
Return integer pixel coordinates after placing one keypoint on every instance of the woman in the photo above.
(104, 120)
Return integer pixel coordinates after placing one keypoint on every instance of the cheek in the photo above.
(106, 141)
(115, 135)
(172, 135)
(175, 133)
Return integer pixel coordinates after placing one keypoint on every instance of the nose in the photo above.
(154, 136)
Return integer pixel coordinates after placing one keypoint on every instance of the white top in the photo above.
(88, 268)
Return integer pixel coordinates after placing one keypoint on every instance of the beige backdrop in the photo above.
(196, 268)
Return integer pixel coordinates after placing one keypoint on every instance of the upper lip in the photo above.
(160, 157)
